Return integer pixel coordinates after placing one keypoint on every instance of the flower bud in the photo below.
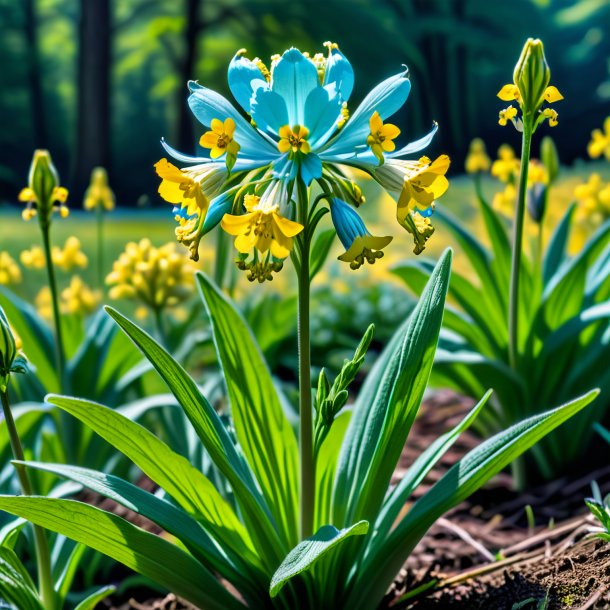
(549, 157)
(536, 202)
(8, 350)
(532, 75)
(43, 179)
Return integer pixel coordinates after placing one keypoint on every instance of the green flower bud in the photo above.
(43, 179)
(8, 350)
(550, 158)
(532, 76)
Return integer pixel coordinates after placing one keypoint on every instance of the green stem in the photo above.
(159, 323)
(60, 354)
(100, 246)
(305, 407)
(43, 556)
(513, 308)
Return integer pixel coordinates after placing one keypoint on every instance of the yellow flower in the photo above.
(78, 298)
(600, 141)
(33, 258)
(70, 256)
(504, 201)
(508, 114)
(262, 227)
(509, 93)
(157, 277)
(477, 159)
(99, 194)
(425, 183)
(593, 199)
(551, 115)
(220, 139)
(381, 137)
(537, 174)
(506, 167)
(9, 270)
(294, 139)
(58, 197)
(43, 302)
(551, 94)
(180, 188)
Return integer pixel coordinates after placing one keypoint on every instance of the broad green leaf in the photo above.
(34, 334)
(91, 602)
(171, 471)
(385, 410)
(16, 586)
(556, 251)
(145, 553)
(169, 518)
(215, 438)
(320, 250)
(464, 478)
(262, 429)
(308, 552)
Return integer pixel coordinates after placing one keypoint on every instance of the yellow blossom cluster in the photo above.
(33, 258)
(70, 256)
(9, 270)
(77, 299)
(593, 200)
(600, 142)
(99, 194)
(157, 277)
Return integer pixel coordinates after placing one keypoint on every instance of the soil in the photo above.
(499, 550)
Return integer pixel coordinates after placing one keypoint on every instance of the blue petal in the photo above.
(294, 77)
(322, 111)
(244, 76)
(426, 213)
(182, 212)
(415, 146)
(340, 72)
(269, 110)
(285, 168)
(207, 105)
(219, 206)
(386, 98)
(311, 168)
(347, 221)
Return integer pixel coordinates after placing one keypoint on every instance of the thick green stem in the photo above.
(307, 492)
(60, 354)
(513, 307)
(43, 556)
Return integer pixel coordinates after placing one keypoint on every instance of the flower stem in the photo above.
(307, 492)
(159, 324)
(43, 556)
(100, 246)
(513, 308)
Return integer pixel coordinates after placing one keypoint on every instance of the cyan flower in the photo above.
(300, 131)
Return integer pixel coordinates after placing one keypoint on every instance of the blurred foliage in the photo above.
(458, 52)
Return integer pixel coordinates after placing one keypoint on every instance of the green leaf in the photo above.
(465, 477)
(308, 552)
(388, 404)
(556, 251)
(172, 472)
(262, 429)
(16, 586)
(145, 553)
(215, 438)
(91, 602)
(320, 250)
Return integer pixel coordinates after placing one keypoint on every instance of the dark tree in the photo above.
(93, 105)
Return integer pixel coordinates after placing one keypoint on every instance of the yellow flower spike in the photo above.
(381, 137)
(600, 141)
(261, 228)
(504, 201)
(477, 159)
(33, 258)
(78, 298)
(552, 94)
(99, 194)
(70, 256)
(537, 173)
(9, 270)
(178, 188)
(423, 185)
(506, 166)
(508, 114)
(294, 138)
(220, 141)
(551, 115)
(509, 93)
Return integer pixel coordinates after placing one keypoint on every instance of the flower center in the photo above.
(294, 139)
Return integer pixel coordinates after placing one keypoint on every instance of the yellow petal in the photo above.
(26, 195)
(375, 122)
(283, 145)
(208, 139)
(229, 126)
(388, 145)
(234, 225)
(171, 191)
(288, 227)
(508, 93)
(551, 94)
(390, 131)
(217, 126)
(285, 131)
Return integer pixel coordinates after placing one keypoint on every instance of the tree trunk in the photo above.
(93, 109)
(185, 136)
(39, 125)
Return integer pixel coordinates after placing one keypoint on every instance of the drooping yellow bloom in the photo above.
(365, 248)
(425, 183)
(59, 195)
(508, 114)
(506, 166)
(551, 115)
(261, 228)
(99, 194)
(477, 159)
(157, 277)
(600, 141)
(70, 256)
(382, 136)
(220, 139)
(78, 298)
(293, 138)
(33, 258)
(9, 270)
(504, 201)
(179, 188)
